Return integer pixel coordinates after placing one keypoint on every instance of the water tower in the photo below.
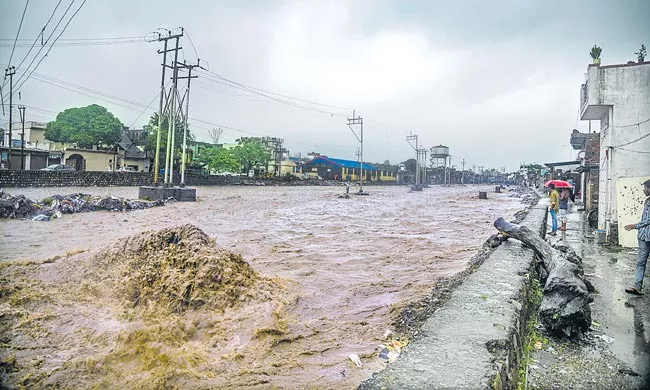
(439, 156)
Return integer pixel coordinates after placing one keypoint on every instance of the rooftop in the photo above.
(342, 163)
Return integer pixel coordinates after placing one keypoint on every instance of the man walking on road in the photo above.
(553, 208)
(644, 242)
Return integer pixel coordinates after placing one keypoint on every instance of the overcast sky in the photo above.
(496, 81)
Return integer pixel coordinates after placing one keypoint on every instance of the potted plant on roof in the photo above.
(595, 54)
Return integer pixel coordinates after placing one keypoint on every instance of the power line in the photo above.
(18, 32)
(191, 43)
(273, 98)
(58, 36)
(266, 93)
(85, 39)
(634, 151)
(633, 141)
(146, 108)
(46, 41)
(86, 43)
(632, 124)
(40, 34)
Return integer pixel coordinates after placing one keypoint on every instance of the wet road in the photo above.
(357, 261)
(615, 353)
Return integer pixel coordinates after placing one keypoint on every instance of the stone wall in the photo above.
(17, 178)
(475, 340)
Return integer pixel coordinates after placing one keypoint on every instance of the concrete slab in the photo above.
(473, 341)
(160, 192)
(185, 194)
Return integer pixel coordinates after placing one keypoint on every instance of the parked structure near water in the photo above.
(619, 97)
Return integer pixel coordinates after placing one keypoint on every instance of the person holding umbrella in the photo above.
(553, 208)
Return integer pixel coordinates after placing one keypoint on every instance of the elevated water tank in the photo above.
(440, 151)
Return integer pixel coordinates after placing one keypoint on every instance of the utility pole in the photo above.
(189, 78)
(10, 71)
(163, 98)
(357, 120)
(462, 177)
(450, 170)
(171, 120)
(423, 175)
(21, 109)
(409, 138)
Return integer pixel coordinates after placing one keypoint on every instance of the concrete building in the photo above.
(618, 96)
(30, 151)
(589, 146)
(338, 169)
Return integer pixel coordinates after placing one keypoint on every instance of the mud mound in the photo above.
(181, 268)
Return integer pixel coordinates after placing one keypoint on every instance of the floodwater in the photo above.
(356, 261)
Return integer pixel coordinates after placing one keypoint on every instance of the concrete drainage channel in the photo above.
(476, 340)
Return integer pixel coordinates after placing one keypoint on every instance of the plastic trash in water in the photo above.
(41, 217)
(393, 355)
(356, 359)
(387, 333)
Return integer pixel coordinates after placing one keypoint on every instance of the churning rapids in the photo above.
(346, 268)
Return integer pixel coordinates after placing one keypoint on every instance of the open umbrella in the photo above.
(558, 184)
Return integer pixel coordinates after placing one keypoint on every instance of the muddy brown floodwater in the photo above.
(354, 264)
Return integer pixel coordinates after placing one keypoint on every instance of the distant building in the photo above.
(619, 97)
(339, 169)
(30, 151)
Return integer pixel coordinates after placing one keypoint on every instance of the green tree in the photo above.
(410, 165)
(220, 159)
(152, 129)
(86, 127)
(251, 153)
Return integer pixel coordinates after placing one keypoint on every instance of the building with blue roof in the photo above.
(350, 170)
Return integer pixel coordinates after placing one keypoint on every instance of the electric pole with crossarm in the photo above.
(357, 120)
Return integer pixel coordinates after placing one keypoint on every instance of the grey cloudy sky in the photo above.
(496, 81)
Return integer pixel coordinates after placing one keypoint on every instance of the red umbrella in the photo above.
(558, 184)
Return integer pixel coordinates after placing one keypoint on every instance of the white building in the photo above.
(619, 97)
(31, 150)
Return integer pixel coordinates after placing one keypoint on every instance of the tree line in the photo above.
(95, 126)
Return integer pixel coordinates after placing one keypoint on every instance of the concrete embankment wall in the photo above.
(16, 178)
(475, 340)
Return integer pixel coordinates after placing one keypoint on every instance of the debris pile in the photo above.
(16, 206)
(527, 194)
(52, 207)
(180, 268)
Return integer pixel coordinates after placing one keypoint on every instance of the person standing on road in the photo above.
(644, 242)
(553, 208)
(564, 207)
